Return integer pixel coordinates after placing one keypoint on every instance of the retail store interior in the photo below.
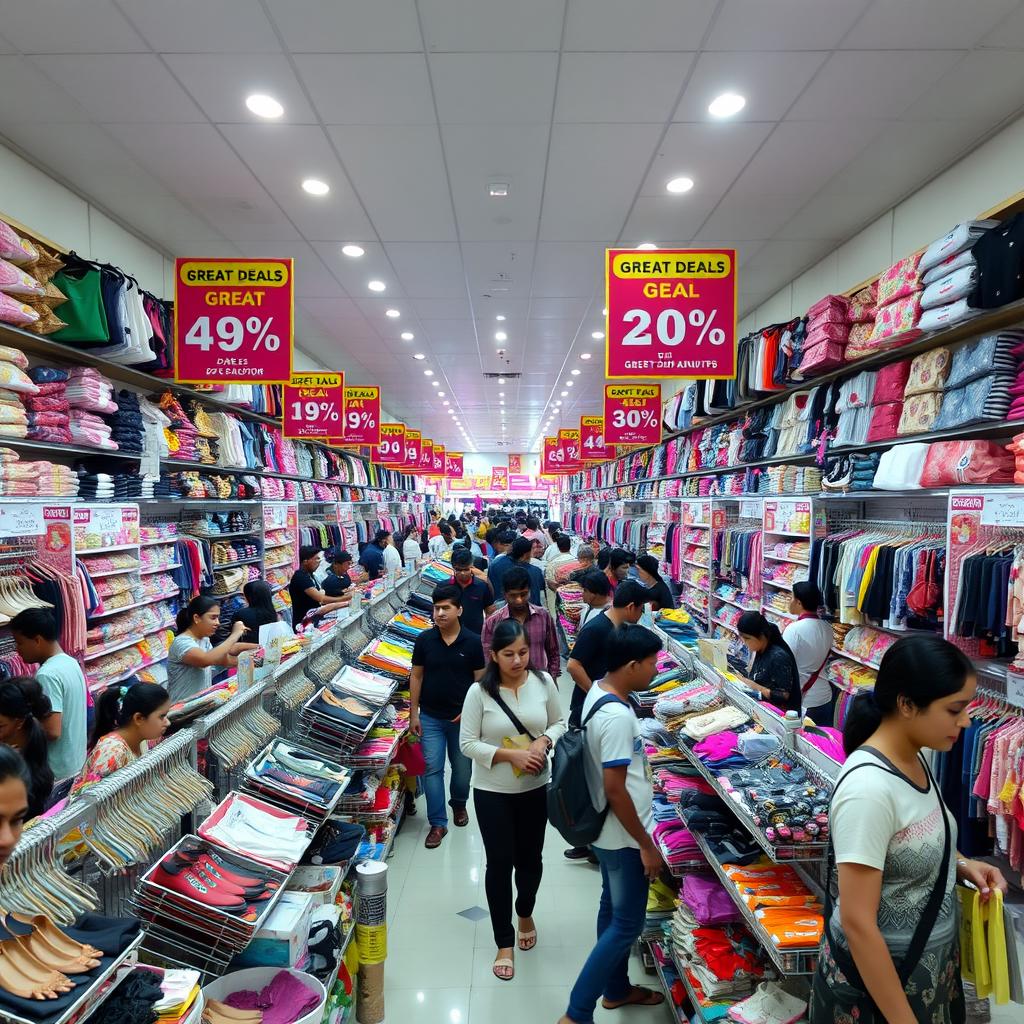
(509, 512)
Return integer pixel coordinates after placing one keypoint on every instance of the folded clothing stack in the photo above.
(34, 479)
(181, 435)
(95, 485)
(828, 329)
(89, 429)
(126, 424)
(88, 389)
(48, 410)
(899, 304)
(15, 386)
(949, 272)
(861, 315)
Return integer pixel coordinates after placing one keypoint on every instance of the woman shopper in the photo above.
(23, 705)
(126, 717)
(15, 783)
(260, 610)
(191, 657)
(891, 945)
(660, 595)
(810, 640)
(510, 721)
(774, 673)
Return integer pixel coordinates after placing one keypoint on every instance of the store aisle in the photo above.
(440, 947)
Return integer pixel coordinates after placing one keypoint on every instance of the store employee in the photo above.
(304, 592)
(338, 579)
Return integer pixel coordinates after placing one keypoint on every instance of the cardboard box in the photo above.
(322, 882)
(282, 940)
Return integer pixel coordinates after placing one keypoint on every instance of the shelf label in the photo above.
(233, 320)
(21, 520)
(997, 509)
(671, 313)
(750, 508)
(632, 414)
(314, 405)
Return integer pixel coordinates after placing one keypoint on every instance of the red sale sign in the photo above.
(632, 414)
(314, 405)
(426, 456)
(361, 423)
(671, 313)
(499, 478)
(453, 465)
(437, 469)
(515, 464)
(569, 440)
(552, 456)
(592, 446)
(233, 321)
(391, 449)
(412, 450)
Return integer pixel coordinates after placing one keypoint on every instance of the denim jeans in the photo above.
(620, 920)
(440, 736)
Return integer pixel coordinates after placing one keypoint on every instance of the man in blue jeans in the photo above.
(446, 661)
(619, 780)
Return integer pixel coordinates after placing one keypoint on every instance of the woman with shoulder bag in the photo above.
(510, 722)
(891, 949)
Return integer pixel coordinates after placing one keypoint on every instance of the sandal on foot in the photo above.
(526, 940)
(638, 996)
(504, 964)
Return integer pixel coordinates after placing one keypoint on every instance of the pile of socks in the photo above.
(48, 411)
(126, 424)
(87, 389)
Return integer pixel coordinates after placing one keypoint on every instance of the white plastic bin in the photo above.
(257, 978)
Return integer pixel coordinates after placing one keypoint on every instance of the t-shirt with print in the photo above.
(62, 681)
(613, 739)
(886, 821)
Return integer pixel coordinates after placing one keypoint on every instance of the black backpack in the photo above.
(570, 807)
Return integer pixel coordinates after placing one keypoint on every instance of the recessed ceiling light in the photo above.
(501, 394)
(500, 317)
(597, 335)
(264, 106)
(440, 394)
(316, 187)
(501, 401)
(569, 383)
(727, 105)
(584, 355)
(498, 189)
(576, 372)
(392, 313)
(646, 245)
(501, 380)
(428, 373)
(557, 404)
(563, 393)
(446, 403)
(678, 185)
(419, 355)
(353, 251)
(436, 383)
(500, 336)
(376, 286)
(604, 312)
(407, 335)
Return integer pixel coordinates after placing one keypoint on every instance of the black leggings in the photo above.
(512, 827)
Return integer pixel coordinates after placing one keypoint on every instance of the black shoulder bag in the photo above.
(500, 701)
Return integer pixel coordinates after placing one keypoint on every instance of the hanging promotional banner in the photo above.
(632, 414)
(671, 313)
(314, 405)
(454, 465)
(515, 464)
(233, 321)
(569, 440)
(426, 456)
(592, 446)
(392, 444)
(552, 456)
(411, 463)
(361, 422)
(437, 469)
(499, 478)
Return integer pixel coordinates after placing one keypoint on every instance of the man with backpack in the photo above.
(619, 785)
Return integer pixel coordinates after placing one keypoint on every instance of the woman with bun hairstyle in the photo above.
(126, 717)
(891, 946)
(23, 706)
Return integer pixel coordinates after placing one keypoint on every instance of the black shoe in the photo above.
(410, 805)
(579, 853)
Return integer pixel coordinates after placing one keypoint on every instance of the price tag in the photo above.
(632, 414)
(233, 320)
(246, 671)
(18, 520)
(1006, 509)
(671, 313)
(426, 455)
(314, 405)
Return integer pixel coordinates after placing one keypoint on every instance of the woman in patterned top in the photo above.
(126, 717)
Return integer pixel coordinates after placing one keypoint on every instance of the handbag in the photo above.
(524, 737)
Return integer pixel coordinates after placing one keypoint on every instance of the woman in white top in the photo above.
(392, 559)
(810, 640)
(411, 546)
(510, 773)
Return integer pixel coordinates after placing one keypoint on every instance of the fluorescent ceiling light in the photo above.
(500, 317)
(446, 403)
(501, 380)
(440, 394)
(264, 106)
(558, 403)
(407, 335)
(419, 355)
(498, 189)
(597, 335)
(392, 313)
(353, 251)
(436, 383)
(584, 355)
(501, 394)
(316, 187)
(604, 312)
(569, 383)
(376, 286)
(727, 105)
(500, 336)
(679, 185)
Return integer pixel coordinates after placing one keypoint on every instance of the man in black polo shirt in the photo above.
(338, 581)
(477, 599)
(304, 592)
(446, 660)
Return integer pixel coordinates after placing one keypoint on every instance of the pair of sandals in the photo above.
(504, 968)
(35, 964)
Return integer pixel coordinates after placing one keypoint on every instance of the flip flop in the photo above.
(505, 963)
(638, 996)
(530, 938)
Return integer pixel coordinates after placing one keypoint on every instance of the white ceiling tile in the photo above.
(783, 24)
(56, 26)
(926, 24)
(564, 269)
(478, 154)
(428, 269)
(712, 154)
(442, 309)
(281, 156)
(579, 204)
(220, 82)
(646, 86)
(494, 88)
(490, 25)
(364, 88)
(872, 83)
(665, 25)
(121, 87)
(550, 307)
(347, 26)
(986, 86)
(1009, 34)
(498, 273)
(770, 81)
(227, 26)
(751, 217)
(245, 220)
(399, 174)
(451, 332)
(666, 218)
(312, 278)
(339, 308)
(355, 274)
(28, 97)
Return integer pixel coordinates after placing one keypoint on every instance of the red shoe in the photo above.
(434, 837)
(194, 853)
(188, 882)
(209, 871)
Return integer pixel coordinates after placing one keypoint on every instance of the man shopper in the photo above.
(372, 556)
(597, 596)
(338, 579)
(477, 598)
(619, 561)
(617, 777)
(538, 624)
(304, 592)
(588, 563)
(446, 660)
